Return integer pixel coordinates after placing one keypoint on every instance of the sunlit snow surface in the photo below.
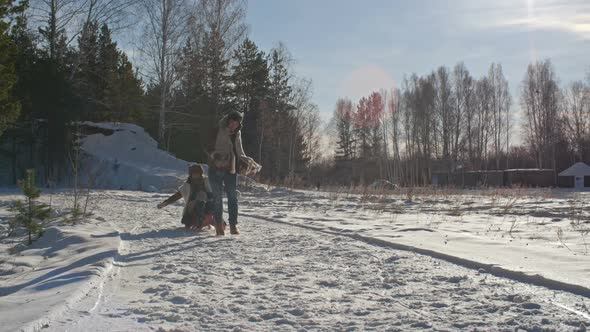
(312, 275)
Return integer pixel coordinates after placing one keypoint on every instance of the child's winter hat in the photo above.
(236, 116)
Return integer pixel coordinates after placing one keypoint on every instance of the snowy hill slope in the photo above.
(124, 156)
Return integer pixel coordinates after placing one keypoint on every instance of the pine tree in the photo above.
(216, 73)
(119, 90)
(30, 214)
(280, 97)
(250, 78)
(107, 85)
(250, 88)
(27, 56)
(9, 107)
(46, 93)
(127, 93)
(87, 79)
(107, 75)
(281, 91)
(344, 116)
(194, 115)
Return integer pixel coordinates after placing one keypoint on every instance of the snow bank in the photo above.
(42, 281)
(124, 156)
(246, 184)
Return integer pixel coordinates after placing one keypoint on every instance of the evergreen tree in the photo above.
(119, 89)
(216, 72)
(107, 76)
(108, 88)
(277, 118)
(250, 78)
(250, 88)
(87, 80)
(344, 116)
(26, 60)
(281, 91)
(194, 115)
(9, 107)
(30, 214)
(46, 94)
(128, 103)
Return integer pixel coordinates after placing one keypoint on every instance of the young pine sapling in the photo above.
(30, 213)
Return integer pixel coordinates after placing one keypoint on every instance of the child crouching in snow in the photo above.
(198, 199)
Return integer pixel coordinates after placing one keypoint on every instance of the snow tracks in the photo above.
(48, 278)
(281, 277)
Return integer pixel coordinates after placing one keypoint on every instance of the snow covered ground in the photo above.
(276, 276)
(536, 236)
(495, 260)
(40, 282)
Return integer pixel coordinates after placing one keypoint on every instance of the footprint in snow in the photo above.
(271, 315)
(325, 283)
(530, 306)
(297, 312)
(179, 300)
(151, 290)
(284, 321)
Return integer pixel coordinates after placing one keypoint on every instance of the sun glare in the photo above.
(530, 19)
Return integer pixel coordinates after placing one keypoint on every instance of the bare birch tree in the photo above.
(500, 109)
(461, 126)
(62, 21)
(539, 99)
(577, 117)
(54, 18)
(165, 33)
(444, 109)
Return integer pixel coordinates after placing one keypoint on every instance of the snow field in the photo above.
(280, 277)
(543, 240)
(43, 281)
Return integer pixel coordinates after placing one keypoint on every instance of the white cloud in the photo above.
(578, 25)
(571, 16)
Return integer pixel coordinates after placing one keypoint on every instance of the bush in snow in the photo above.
(30, 213)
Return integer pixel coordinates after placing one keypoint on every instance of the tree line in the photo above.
(449, 121)
(194, 62)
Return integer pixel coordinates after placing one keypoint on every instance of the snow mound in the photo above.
(124, 156)
(247, 184)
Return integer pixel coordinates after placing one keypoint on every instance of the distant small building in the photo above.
(577, 176)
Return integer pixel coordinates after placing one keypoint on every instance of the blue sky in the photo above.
(350, 48)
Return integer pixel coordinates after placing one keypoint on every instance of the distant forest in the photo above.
(449, 121)
(60, 63)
